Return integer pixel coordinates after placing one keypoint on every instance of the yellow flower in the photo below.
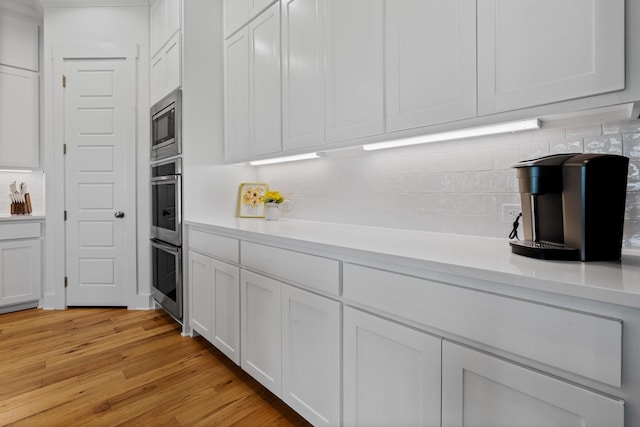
(273, 197)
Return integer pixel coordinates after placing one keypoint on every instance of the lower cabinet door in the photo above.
(261, 339)
(20, 279)
(311, 355)
(482, 390)
(200, 294)
(225, 325)
(214, 293)
(391, 373)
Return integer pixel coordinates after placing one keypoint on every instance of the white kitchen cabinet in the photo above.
(332, 71)
(303, 71)
(214, 292)
(354, 61)
(311, 355)
(261, 334)
(291, 345)
(19, 123)
(166, 20)
(430, 62)
(166, 69)
(538, 52)
(238, 13)
(265, 135)
(236, 96)
(18, 43)
(482, 390)
(391, 373)
(20, 263)
(200, 294)
(252, 89)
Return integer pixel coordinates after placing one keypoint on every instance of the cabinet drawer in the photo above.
(213, 245)
(550, 335)
(308, 270)
(17, 230)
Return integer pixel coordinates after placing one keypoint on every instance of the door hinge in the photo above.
(64, 81)
(65, 215)
(64, 148)
(66, 282)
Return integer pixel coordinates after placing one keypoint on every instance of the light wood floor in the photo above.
(112, 367)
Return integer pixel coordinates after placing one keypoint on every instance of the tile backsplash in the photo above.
(451, 187)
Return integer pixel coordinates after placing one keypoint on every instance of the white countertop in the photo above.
(36, 216)
(469, 256)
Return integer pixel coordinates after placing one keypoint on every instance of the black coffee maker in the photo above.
(572, 206)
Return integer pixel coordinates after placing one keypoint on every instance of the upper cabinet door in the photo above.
(19, 144)
(264, 83)
(537, 52)
(236, 97)
(354, 62)
(18, 43)
(166, 20)
(302, 73)
(257, 6)
(237, 13)
(431, 62)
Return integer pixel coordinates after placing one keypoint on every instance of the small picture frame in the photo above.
(250, 196)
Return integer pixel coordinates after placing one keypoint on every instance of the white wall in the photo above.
(94, 25)
(210, 188)
(451, 187)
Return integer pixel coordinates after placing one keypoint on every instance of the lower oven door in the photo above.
(167, 277)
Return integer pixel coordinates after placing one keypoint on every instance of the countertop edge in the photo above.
(523, 281)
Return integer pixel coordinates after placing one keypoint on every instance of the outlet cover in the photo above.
(510, 212)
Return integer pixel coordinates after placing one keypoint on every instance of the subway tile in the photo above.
(584, 132)
(631, 145)
(631, 235)
(505, 157)
(624, 126)
(567, 147)
(632, 208)
(633, 179)
(609, 144)
(534, 150)
(548, 135)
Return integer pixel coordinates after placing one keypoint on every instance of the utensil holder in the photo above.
(22, 208)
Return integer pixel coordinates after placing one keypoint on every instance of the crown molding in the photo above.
(92, 3)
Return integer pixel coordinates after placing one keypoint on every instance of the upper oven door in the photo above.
(166, 221)
(166, 127)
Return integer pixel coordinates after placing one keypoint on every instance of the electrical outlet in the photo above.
(510, 213)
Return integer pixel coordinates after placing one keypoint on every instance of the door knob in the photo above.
(119, 214)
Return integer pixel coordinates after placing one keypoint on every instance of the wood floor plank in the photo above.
(109, 367)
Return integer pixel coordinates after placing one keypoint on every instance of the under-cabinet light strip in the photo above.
(457, 134)
(285, 159)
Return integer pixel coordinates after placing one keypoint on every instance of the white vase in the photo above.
(272, 211)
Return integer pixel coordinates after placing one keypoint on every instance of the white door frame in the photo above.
(54, 291)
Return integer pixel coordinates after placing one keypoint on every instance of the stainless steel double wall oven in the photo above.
(166, 204)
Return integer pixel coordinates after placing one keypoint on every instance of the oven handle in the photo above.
(165, 247)
(160, 179)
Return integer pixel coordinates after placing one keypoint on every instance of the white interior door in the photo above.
(99, 133)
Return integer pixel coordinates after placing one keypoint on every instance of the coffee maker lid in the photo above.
(552, 160)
